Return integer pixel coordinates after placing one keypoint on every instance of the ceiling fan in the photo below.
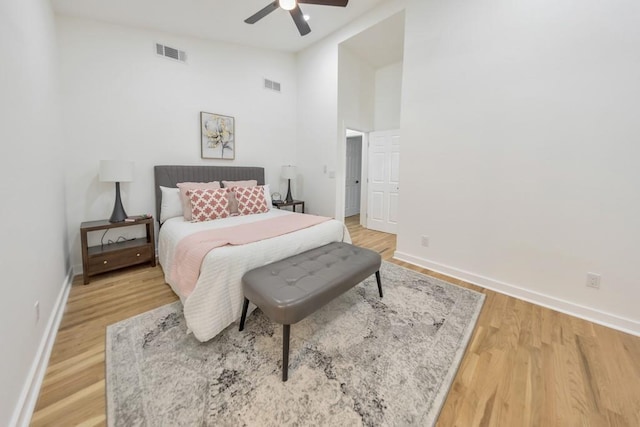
(294, 10)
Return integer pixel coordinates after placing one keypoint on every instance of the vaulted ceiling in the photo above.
(221, 20)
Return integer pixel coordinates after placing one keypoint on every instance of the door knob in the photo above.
(357, 182)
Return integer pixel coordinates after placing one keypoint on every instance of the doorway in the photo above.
(353, 176)
(353, 173)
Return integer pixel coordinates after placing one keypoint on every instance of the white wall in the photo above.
(356, 94)
(388, 96)
(317, 128)
(520, 149)
(120, 100)
(356, 91)
(321, 130)
(33, 246)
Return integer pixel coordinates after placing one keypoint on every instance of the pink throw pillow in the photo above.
(208, 204)
(233, 203)
(251, 200)
(247, 183)
(186, 202)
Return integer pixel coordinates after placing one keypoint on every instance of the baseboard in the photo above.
(587, 313)
(77, 270)
(29, 396)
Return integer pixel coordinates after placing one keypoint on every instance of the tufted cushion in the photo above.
(208, 204)
(287, 291)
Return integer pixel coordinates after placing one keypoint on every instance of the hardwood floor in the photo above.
(525, 365)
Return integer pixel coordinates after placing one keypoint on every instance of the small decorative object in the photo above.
(289, 173)
(218, 136)
(276, 197)
(116, 171)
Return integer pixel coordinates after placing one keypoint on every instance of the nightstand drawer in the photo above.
(117, 259)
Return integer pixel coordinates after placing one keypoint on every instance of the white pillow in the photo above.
(170, 205)
(267, 195)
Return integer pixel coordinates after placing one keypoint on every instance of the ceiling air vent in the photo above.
(171, 53)
(271, 85)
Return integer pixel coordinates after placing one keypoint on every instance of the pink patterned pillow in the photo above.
(208, 204)
(233, 203)
(186, 202)
(251, 200)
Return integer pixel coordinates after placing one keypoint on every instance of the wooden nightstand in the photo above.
(107, 257)
(293, 204)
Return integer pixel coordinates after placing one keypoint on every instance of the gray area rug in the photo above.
(359, 360)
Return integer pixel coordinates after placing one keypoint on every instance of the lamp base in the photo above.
(118, 214)
(289, 199)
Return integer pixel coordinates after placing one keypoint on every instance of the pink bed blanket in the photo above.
(191, 250)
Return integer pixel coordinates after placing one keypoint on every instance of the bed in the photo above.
(216, 300)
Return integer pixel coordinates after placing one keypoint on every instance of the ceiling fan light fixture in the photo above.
(292, 7)
(287, 4)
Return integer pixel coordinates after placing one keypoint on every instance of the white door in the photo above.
(353, 176)
(384, 181)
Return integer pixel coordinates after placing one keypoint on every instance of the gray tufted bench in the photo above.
(289, 290)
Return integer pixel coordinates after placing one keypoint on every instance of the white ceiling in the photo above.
(220, 19)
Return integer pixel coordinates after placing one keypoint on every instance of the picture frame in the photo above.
(217, 136)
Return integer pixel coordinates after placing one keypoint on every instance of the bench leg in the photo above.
(285, 351)
(245, 307)
(379, 282)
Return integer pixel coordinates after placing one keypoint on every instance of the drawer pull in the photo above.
(137, 254)
(104, 262)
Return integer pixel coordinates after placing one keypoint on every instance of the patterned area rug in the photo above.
(359, 360)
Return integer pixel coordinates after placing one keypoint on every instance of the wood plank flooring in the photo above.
(525, 365)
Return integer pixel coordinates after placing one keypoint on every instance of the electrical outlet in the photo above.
(36, 306)
(593, 280)
(425, 241)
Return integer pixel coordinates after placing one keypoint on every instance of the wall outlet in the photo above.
(425, 241)
(593, 280)
(36, 307)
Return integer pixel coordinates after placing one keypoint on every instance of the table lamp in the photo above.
(116, 171)
(289, 173)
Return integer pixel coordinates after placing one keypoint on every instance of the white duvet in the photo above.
(216, 300)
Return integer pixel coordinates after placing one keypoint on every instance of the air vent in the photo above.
(171, 53)
(271, 85)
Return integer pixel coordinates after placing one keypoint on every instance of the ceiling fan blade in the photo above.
(262, 13)
(298, 18)
(341, 3)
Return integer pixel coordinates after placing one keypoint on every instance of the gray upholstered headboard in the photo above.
(169, 176)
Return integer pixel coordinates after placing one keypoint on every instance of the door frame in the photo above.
(341, 172)
(354, 140)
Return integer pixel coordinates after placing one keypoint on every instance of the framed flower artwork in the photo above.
(217, 136)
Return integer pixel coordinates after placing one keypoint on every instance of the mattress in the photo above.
(216, 300)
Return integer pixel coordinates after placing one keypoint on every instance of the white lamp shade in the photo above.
(116, 171)
(289, 172)
(287, 4)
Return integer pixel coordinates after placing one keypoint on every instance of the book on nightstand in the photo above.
(136, 218)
